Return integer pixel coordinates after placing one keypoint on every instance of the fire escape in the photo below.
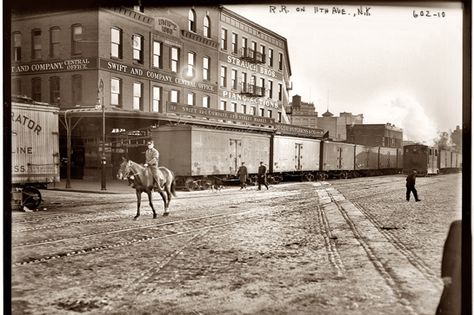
(255, 57)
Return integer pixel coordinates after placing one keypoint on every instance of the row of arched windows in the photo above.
(206, 25)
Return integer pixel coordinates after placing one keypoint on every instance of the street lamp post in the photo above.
(103, 158)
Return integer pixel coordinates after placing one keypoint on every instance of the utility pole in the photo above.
(103, 161)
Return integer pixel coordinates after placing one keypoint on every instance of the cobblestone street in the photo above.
(351, 246)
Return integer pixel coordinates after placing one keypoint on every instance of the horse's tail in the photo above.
(173, 186)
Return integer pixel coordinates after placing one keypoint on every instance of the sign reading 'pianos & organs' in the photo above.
(218, 114)
(298, 130)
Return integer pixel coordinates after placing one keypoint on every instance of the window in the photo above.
(205, 69)
(36, 89)
(191, 62)
(280, 91)
(174, 96)
(270, 89)
(262, 51)
(253, 80)
(206, 101)
(54, 42)
(116, 43)
(254, 46)
(191, 97)
(207, 27)
(269, 113)
(76, 37)
(262, 83)
(279, 116)
(222, 105)
(280, 61)
(16, 46)
(36, 44)
(54, 93)
(233, 107)
(262, 112)
(253, 110)
(244, 109)
(234, 43)
(157, 61)
(223, 39)
(115, 92)
(270, 57)
(244, 79)
(174, 59)
(16, 87)
(192, 21)
(244, 42)
(156, 102)
(76, 89)
(223, 76)
(137, 96)
(137, 46)
(233, 78)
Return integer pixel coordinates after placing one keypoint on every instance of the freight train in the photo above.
(201, 155)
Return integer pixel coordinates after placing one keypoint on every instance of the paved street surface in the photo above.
(337, 247)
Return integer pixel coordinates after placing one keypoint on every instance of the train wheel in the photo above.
(308, 177)
(31, 197)
(191, 184)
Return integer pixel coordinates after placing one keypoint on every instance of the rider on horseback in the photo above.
(152, 157)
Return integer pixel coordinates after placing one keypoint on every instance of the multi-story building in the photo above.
(302, 113)
(336, 126)
(147, 66)
(383, 135)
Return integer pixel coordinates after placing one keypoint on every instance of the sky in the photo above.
(396, 65)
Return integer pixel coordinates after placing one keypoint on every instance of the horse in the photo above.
(142, 179)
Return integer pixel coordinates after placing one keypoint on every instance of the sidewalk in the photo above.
(93, 186)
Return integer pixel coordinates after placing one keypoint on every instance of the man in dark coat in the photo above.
(262, 176)
(411, 185)
(242, 173)
(151, 160)
(450, 301)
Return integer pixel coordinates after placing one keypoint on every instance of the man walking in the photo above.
(262, 176)
(411, 179)
(242, 173)
(152, 157)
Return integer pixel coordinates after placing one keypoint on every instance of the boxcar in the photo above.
(388, 160)
(192, 151)
(449, 161)
(293, 155)
(35, 151)
(366, 159)
(420, 157)
(337, 158)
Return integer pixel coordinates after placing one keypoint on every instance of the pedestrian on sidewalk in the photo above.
(411, 179)
(262, 176)
(242, 173)
(450, 301)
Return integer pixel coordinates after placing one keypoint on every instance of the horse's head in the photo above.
(124, 169)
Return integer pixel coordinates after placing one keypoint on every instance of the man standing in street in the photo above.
(411, 178)
(152, 157)
(262, 176)
(242, 173)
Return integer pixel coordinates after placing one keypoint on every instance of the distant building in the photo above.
(383, 135)
(336, 126)
(302, 114)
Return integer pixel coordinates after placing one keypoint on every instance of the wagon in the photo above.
(35, 151)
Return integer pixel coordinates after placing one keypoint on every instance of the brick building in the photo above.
(383, 135)
(302, 113)
(147, 66)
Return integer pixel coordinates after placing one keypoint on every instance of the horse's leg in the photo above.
(168, 193)
(139, 200)
(163, 196)
(151, 203)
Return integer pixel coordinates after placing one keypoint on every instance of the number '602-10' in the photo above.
(427, 13)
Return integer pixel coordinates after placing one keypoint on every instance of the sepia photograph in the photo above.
(171, 158)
